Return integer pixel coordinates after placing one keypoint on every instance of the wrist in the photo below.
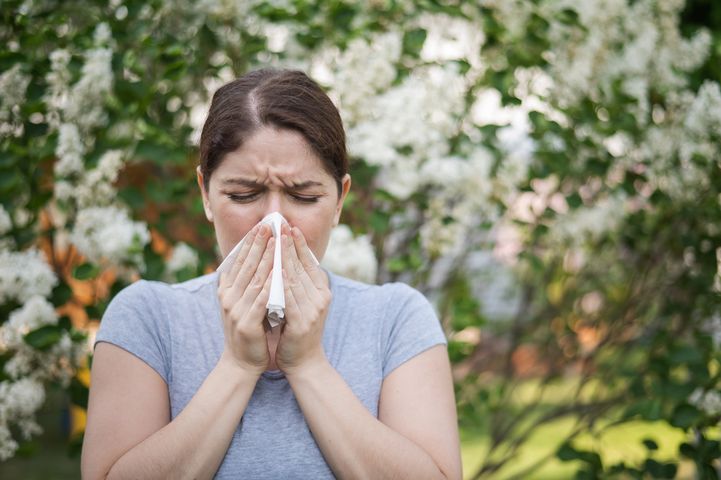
(235, 369)
(312, 367)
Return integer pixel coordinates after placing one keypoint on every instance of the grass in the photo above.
(616, 444)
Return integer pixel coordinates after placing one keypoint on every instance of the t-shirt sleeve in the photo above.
(134, 321)
(412, 327)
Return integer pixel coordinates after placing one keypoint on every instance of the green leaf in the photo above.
(650, 444)
(61, 294)
(660, 470)
(154, 264)
(413, 41)
(379, 221)
(86, 271)
(44, 337)
(75, 445)
(65, 323)
(9, 181)
(396, 265)
(458, 351)
(78, 393)
(684, 416)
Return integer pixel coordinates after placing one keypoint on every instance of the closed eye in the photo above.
(252, 196)
(303, 198)
(242, 198)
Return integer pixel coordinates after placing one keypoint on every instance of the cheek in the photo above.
(316, 230)
(231, 225)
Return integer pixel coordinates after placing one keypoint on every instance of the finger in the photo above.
(250, 264)
(316, 274)
(242, 254)
(255, 285)
(300, 284)
(291, 304)
(252, 309)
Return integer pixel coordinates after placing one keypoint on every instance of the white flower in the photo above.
(25, 274)
(350, 257)
(108, 233)
(95, 187)
(704, 115)
(36, 313)
(591, 222)
(69, 151)
(102, 34)
(708, 402)
(58, 79)
(21, 398)
(438, 235)
(85, 101)
(183, 256)
(712, 326)
(7, 444)
(110, 164)
(5, 221)
(64, 190)
(408, 124)
(20, 364)
(449, 38)
(13, 84)
(365, 68)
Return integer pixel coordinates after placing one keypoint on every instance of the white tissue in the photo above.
(276, 300)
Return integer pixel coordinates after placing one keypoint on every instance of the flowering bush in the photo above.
(546, 172)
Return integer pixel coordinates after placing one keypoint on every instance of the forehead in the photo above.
(272, 154)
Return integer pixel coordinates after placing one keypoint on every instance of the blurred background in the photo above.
(546, 172)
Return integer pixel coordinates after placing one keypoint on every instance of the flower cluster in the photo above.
(5, 221)
(183, 257)
(349, 256)
(24, 275)
(107, 234)
(19, 401)
(653, 53)
(708, 401)
(13, 84)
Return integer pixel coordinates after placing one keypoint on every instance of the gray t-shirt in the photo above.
(176, 329)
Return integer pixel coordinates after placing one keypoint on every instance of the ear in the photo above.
(345, 187)
(204, 194)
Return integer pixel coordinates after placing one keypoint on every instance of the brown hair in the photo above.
(286, 99)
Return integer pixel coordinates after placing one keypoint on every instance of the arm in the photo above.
(129, 434)
(416, 435)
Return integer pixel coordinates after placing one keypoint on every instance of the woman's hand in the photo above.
(243, 293)
(307, 298)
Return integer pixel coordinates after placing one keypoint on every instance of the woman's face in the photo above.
(274, 170)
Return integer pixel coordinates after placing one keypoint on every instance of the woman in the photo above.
(188, 383)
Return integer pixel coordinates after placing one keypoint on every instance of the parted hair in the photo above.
(284, 99)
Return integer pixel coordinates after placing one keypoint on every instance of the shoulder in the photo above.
(398, 294)
(154, 294)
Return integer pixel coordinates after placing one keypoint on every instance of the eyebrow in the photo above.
(245, 182)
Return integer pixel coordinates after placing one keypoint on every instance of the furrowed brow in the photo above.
(243, 182)
(303, 185)
(250, 183)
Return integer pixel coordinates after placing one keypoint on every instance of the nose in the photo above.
(275, 204)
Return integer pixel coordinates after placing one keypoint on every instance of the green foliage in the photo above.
(642, 291)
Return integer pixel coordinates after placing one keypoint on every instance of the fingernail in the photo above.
(295, 232)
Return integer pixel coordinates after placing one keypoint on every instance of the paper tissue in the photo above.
(276, 300)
